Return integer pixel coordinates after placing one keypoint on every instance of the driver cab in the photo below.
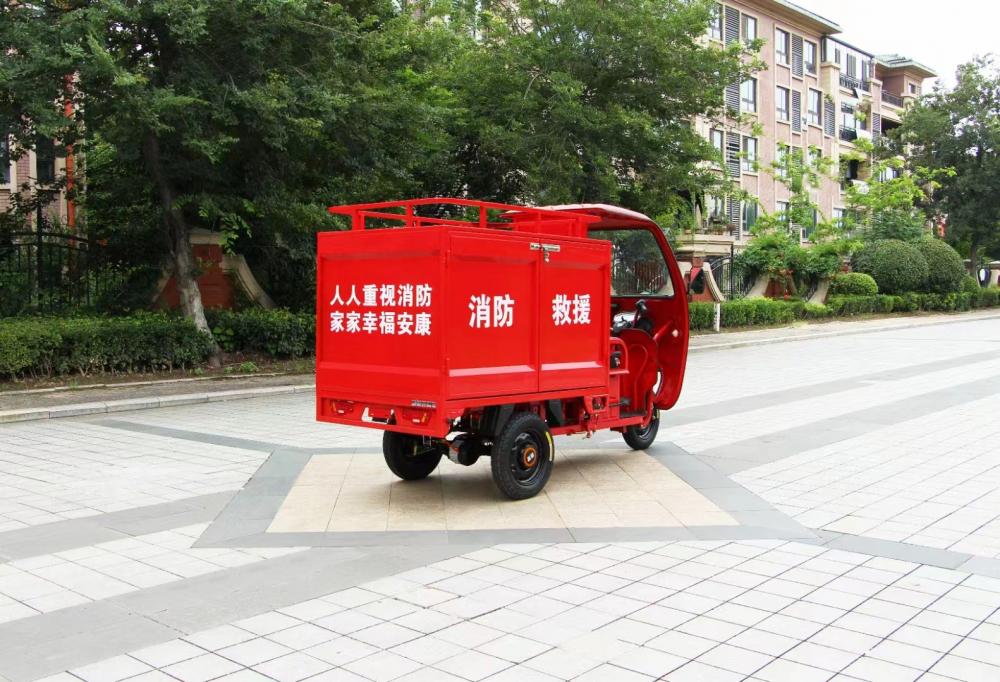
(649, 305)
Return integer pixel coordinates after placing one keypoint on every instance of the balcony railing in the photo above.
(894, 100)
(848, 134)
(851, 82)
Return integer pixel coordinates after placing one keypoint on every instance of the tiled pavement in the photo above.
(861, 473)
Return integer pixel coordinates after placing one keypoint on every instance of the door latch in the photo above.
(546, 249)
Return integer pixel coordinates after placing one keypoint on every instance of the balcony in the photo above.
(848, 134)
(849, 82)
(894, 100)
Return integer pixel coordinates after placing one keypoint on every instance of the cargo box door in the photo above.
(492, 315)
(574, 315)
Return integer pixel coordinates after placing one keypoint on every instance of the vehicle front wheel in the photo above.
(641, 437)
(521, 459)
(408, 457)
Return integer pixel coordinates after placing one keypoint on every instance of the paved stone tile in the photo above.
(920, 496)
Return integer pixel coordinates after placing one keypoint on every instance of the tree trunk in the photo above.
(180, 247)
(974, 258)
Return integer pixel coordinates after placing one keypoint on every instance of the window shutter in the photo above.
(876, 126)
(796, 111)
(829, 118)
(733, 154)
(732, 25)
(734, 211)
(796, 55)
(733, 98)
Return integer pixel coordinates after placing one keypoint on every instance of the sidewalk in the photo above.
(104, 398)
(801, 331)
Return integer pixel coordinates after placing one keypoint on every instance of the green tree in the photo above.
(240, 117)
(959, 129)
(587, 101)
(890, 204)
(775, 249)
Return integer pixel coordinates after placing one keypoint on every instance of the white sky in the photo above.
(940, 34)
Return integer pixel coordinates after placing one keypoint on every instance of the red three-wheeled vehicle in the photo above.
(471, 329)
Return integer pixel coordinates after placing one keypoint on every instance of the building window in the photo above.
(716, 209)
(815, 108)
(715, 137)
(838, 217)
(781, 103)
(810, 229)
(748, 95)
(749, 28)
(852, 66)
(749, 216)
(45, 161)
(779, 160)
(749, 154)
(4, 160)
(781, 208)
(814, 155)
(913, 89)
(715, 22)
(780, 46)
(810, 57)
(847, 120)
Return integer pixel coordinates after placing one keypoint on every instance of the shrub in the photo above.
(853, 284)
(851, 305)
(945, 268)
(815, 311)
(756, 311)
(896, 266)
(701, 315)
(47, 346)
(277, 333)
(987, 298)
(969, 285)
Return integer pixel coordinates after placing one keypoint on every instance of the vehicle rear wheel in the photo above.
(408, 457)
(521, 459)
(641, 437)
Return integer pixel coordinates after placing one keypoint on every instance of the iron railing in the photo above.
(851, 82)
(892, 99)
(848, 134)
(48, 271)
(734, 280)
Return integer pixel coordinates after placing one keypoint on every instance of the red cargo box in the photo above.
(426, 321)
(475, 330)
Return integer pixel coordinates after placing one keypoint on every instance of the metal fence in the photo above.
(734, 280)
(48, 271)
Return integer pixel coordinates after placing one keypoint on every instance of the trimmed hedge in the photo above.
(763, 311)
(277, 333)
(969, 285)
(945, 268)
(853, 284)
(51, 346)
(895, 265)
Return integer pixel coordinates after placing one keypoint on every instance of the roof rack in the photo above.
(436, 211)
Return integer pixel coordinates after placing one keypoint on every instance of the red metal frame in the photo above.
(514, 218)
(359, 404)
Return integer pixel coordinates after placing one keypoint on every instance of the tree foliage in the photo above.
(249, 117)
(959, 129)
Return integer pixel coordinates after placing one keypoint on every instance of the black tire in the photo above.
(408, 457)
(521, 459)
(641, 437)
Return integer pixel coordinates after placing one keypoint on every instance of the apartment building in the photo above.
(817, 93)
(37, 172)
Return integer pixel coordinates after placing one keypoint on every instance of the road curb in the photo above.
(130, 404)
(949, 319)
(112, 406)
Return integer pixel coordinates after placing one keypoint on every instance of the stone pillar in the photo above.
(994, 274)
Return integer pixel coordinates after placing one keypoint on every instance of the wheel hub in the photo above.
(529, 457)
